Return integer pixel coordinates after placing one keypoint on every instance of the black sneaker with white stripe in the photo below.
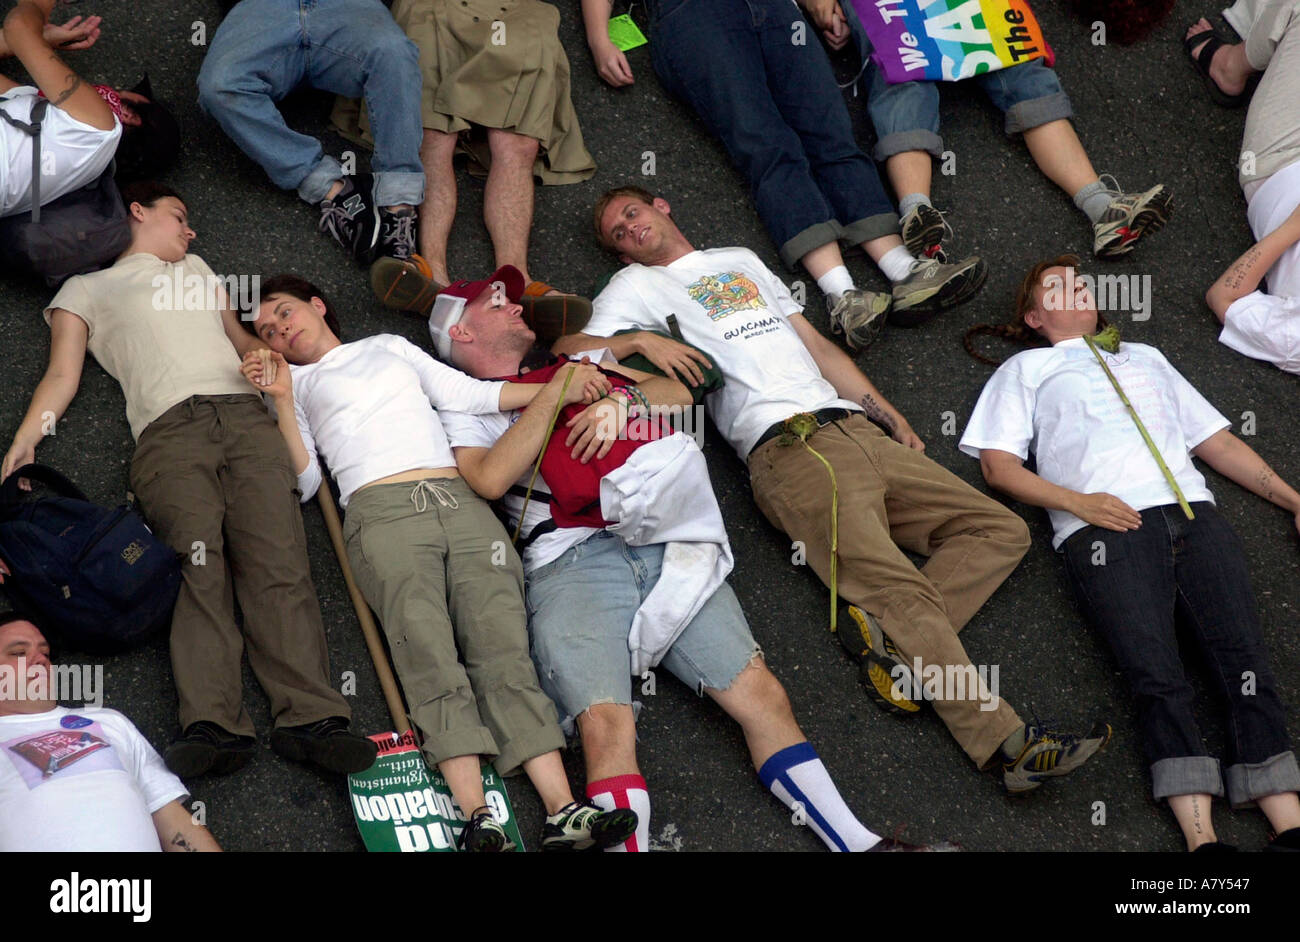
(351, 218)
(396, 234)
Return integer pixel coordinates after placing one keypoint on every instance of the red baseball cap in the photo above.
(449, 305)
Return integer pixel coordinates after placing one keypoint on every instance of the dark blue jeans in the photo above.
(775, 105)
(1133, 586)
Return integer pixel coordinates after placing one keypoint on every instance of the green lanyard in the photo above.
(1155, 452)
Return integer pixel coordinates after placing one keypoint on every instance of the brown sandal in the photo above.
(552, 316)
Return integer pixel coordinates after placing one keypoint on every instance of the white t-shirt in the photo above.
(80, 780)
(74, 154)
(1262, 325)
(1059, 404)
(368, 407)
(730, 306)
(156, 327)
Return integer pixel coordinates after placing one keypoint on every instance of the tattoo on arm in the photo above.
(180, 841)
(1265, 482)
(1236, 275)
(876, 412)
(74, 82)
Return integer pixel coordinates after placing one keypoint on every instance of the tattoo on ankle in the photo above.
(1196, 816)
(73, 84)
(876, 412)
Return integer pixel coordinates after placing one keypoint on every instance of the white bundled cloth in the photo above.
(661, 494)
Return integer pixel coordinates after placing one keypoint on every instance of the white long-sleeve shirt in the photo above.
(369, 408)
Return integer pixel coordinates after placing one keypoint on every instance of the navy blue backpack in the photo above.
(93, 579)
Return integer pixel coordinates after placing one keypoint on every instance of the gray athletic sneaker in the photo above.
(1048, 753)
(1128, 217)
(924, 230)
(860, 315)
(932, 286)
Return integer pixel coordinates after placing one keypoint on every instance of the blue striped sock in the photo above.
(797, 776)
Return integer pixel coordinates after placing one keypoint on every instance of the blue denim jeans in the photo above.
(266, 48)
(776, 107)
(580, 607)
(1133, 586)
(906, 116)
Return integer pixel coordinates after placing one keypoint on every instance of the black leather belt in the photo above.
(823, 417)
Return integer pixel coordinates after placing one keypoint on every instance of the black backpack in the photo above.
(77, 233)
(91, 578)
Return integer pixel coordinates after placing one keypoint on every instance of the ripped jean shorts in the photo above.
(580, 609)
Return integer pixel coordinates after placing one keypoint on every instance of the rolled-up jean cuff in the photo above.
(1250, 780)
(814, 237)
(519, 750)
(471, 741)
(1186, 775)
(870, 227)
(900, 142)
(1024, 115)
(399, 187)
(317, 183)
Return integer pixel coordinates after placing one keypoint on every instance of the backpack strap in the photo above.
(52, 479)
(34, 130)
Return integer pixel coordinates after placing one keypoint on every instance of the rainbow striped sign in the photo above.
(950, 40)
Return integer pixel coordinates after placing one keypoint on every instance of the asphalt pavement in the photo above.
(1143, 116)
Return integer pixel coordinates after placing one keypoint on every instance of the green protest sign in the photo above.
(400, 804)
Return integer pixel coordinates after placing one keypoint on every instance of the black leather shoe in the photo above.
(326, 743)
(205, 748)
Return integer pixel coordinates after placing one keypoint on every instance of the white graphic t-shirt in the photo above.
(730, 306)
(1059, 404)
(80, 780)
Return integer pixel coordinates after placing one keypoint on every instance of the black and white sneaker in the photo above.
(352, 218)
(581, 825)
(396, 234)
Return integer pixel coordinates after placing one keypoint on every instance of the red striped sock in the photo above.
(625, 791)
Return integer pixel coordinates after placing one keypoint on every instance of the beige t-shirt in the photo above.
(156, 327)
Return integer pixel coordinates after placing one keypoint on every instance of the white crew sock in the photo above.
(835, 282)
(896, 263)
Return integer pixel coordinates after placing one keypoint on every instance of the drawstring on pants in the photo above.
(420, 496)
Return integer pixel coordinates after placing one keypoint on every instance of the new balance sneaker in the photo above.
(352, 218)
(581, 825)
(924, 230)
(860, 316)
(1049, 753)
(404, 284)
(932, 285)
(205, 748)
(882, 672)
(326, 743)
(1129, 217)
(396, 234)
(483, 834)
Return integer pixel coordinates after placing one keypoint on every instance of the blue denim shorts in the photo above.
(906, 116)
(580, 609)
